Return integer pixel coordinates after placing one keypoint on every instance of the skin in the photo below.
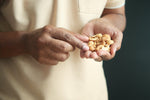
(48, 45)
(112, 22)
(51, 45)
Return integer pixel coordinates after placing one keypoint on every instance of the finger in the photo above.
(117, 37)
(83, 38)
(98, 59)
(68, 36)
(82, 53)
(47, 61)
(87, 54)
(113, 49)
(94, 55)
(59, 45)
(105, 55)
(59, 56)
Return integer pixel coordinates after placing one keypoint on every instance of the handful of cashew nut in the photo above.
(100, 41)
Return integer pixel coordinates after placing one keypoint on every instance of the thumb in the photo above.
(114, 48)
(88, 30)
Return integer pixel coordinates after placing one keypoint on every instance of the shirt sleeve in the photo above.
(112, 4)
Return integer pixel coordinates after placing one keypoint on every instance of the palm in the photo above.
(104, 27)
(95, 27)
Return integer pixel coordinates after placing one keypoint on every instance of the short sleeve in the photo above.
(112, 4)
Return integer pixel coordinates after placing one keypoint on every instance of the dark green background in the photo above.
(128, 74)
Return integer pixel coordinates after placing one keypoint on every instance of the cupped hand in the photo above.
(103, 26)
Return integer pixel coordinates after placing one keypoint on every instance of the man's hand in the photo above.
(105, 27)
(50, 45)
(113, 22)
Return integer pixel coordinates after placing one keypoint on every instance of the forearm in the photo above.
(11, 44)
(117, 20)
(115, 17)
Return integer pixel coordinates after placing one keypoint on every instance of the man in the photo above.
(38, 59)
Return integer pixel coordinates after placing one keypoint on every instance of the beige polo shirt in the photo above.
(23, 78)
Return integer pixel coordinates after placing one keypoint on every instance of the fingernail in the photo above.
(85, 48)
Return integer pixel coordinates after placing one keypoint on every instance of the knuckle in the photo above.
(47, 28)
(40, 42)
(64, 47)
(68, 37)
(79, 44)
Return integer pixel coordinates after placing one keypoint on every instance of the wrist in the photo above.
(24, 42)
(117, 20)
(12, 44)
